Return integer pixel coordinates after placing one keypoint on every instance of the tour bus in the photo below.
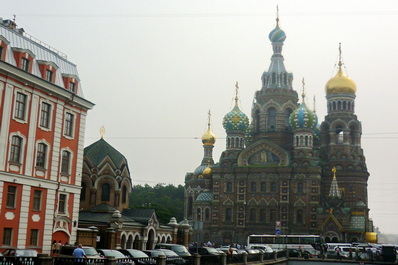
(310, 243)
(333, 246)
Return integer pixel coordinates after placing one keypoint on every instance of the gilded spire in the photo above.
(277, 16)
(334, 188)
(303, 94)
(208, 137)
(236, 93)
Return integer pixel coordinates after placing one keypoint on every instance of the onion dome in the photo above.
(277, 35)
(340, 83)
(207, 171)
(235, 120)
(303, 116)
(208, 137)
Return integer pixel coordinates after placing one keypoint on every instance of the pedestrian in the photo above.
(338, 253)
(54, 248)
(230, 253)
(300, 252)
(350, 253)
(79, 254)
(356, 253)
(58, 246)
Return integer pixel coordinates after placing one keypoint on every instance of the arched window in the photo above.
(272, 215)
(339, 135)
(306, 140)
(41, 155)
(228, 214)
(83, 192)
(271, 118)
(339, 105)
(105, 192)
(257, 121)
(16, 149)
(229, 187)
(262, 215)
(65, 163)
(124, 194)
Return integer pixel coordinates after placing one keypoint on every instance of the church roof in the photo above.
(99, 150)
(139, 215)
(103, 208)
(205, 196)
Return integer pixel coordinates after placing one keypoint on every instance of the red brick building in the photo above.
(42, 124)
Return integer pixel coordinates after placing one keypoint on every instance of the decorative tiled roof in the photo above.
(205, 196)
(99, 150)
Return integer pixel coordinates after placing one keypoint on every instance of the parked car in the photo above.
(19, 252)
(67, 251)
(121, 258)
(172, 257)
(207, 254)
(330, 254)
(181, 250)
(139, 256)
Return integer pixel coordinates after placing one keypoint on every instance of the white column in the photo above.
(5, 125)
(24, 215)
(30, 158)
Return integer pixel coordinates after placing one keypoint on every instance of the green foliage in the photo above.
(167, 200)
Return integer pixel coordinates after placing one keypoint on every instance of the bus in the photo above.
(310, 243)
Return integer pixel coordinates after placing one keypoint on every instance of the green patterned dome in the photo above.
(303, 117)
(235, 120)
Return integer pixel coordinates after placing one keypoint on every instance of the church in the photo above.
(283, 171)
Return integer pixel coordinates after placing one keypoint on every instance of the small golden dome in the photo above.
(208, 138)
(207, 171)
(340, 83)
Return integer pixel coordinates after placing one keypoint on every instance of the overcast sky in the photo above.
(155, 68)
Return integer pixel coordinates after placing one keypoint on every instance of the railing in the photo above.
(18, 260)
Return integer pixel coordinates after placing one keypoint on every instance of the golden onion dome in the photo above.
(207, 171)
(340, 83)
(208, 138)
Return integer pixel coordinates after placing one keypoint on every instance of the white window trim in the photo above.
(50, 117)
(25, 120)
(66, 204)
(48, 152)
(70, 161)
(19, 134)
(70, 137)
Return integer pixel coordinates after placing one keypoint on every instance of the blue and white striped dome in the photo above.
(303, 117)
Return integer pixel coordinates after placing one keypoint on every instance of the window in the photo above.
(45, 115)
(7, 236)
(72, 87)
(16, 148)
(34, 237)
(262, 215)
(37, 200)
(198, 214)
(62, 203)
(300, 187)
(228, 214)
(65, 162)
(25, 64)
(20, 106)
(207, 214)
(69, 118)
(229, 187)
(273, 186)
(11, 196)
(49, 75)
(124, 194)
(106, 192)
(1, 52)
(300, 216)
(271, 118)
(272, 215)
(263, 186)
(252, 215)
(41, 155)
(253, 186)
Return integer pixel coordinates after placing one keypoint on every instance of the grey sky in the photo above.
(155, 68)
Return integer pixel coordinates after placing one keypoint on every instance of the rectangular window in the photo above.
(65, 162)
(69, 118)
(20, 106)
(37, 200)
(34, 237)
(16, 147)
(41, 155)
(7, 236)
(11, 196)
(253, 186)
(62, 203)
(1, 52)
(49, 75)
(45, 115)
(273, 186)
(72, 87)
(263, 186)
(25, 64)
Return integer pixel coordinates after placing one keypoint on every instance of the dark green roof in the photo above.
(139, 215)
(103, 208)
(205, 196)
(99, 150)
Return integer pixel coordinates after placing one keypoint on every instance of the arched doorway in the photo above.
(123, 242)
(61, 236)
(151, 238)
(136, 243)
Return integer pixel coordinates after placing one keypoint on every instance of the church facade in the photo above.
(282, 170)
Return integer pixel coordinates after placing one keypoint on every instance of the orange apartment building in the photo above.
(42, 124)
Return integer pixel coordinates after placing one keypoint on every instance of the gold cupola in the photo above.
(340, 83)
(208, 137)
